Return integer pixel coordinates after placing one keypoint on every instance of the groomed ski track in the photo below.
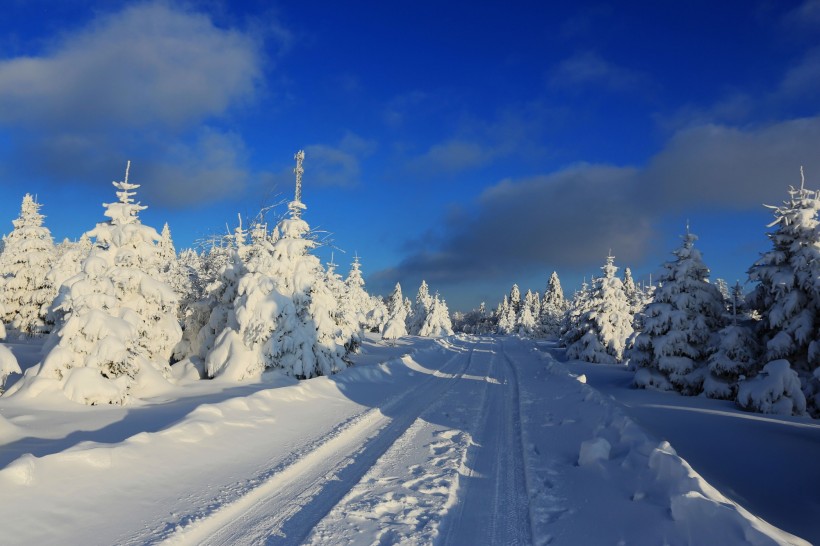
(445, 455)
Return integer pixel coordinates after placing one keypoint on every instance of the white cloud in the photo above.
(148, 64)
(147, 83)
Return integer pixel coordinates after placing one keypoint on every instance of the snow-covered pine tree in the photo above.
(210, 310)
(634, 295)
(165, 247)
(506, 318)
(396, 325)
(553, 308)
(679, 325)
(515, 299)
(420, 310)
(736, 355)
(377, 314)
(347, 311)
(27, 258)
(121, 324)
(437, 322)
(526, 321)
(70, 260)
(284, 316)
(357, 296)
(723, 288)
(572, 327)
(787, 299)
(607, 322)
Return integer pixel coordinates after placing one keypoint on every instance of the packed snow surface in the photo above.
(460, 440)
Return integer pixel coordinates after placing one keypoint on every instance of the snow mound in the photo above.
(8, 365)
(776, 389)
(593, 451)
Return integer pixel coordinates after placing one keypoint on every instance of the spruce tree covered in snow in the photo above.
(284, 315)
(736, 355)
(121, 324)
(573, 327)
(70, 259)
(27, 257)
(553, 308)
(506, 318)
(347, 310)
(209, 314)
(679, 325)
(787, 299)
(634, 294)
(515, 299)
(359, 299)
(167, 251)
(437, 322)
(526, 321)
(420, 310)
(607, 322)
(396, 325)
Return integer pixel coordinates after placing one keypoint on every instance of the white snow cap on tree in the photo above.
(607, 321)
(28, 255)
(121, 321)
(679, 325)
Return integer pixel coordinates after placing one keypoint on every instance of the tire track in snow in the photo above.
(404, 497)
(494, 505)
(285, 506)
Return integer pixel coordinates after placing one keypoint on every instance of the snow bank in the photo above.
(618, 468)
(8, 365)
(776, 389)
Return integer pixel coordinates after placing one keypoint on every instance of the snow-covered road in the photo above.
(459, 441)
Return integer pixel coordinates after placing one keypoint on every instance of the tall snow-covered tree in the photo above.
(396, 316)
(437, 322)
(553, 307)
(787, 295)
(167, 251)
(526, 320)
(679, 326)
(284, 315)
(347, 310)
(358, 298)
(736, 355)
(572, 327)
(515, 299)
(506, 317)
(607, 321)
(121, 323)
(70, 259)
(420, 310)
(27, 257)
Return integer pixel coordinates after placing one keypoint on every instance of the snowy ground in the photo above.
(459, 441)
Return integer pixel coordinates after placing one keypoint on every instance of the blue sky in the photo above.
(471, 144)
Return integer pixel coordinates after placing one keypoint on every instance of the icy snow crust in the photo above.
(461, 440)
